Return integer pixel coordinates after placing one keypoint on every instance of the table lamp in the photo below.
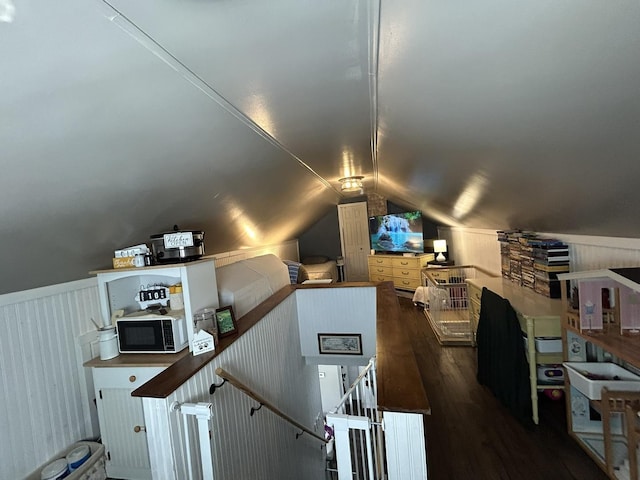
(439, 247)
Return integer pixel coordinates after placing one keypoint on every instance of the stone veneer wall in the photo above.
(376, 204)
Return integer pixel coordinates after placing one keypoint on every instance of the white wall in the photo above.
(331, 385)
(471, 246)
(481, 248)
(337, 310)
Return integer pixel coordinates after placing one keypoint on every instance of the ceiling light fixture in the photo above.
(352, 184)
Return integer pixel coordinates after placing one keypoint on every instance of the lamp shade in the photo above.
(440, 246)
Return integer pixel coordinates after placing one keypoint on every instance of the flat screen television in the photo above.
(397, 232)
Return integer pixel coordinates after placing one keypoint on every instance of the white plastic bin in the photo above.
(609, 375)
(548, 344)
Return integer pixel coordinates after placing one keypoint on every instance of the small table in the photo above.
(446, 263)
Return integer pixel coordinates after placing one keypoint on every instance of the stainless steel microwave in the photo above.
(144, 332)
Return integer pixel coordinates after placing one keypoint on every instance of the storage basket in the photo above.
(92, 469)
(590, 377)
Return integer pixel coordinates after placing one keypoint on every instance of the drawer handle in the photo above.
(381, 270)
(139, 428)
(405, 273)
(132, 378)
(404, 263)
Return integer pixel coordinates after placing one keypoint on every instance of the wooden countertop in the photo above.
(166, 382)
(524, 300)
(139, 360)
(400, 386)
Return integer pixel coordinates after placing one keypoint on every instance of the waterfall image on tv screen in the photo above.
(397, 232)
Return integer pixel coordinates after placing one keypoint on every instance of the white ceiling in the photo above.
(119, 120)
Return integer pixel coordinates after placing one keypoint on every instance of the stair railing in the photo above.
(227, 377)
(357, 429)
(202, 412)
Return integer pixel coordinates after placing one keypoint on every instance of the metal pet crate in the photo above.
(447, 306)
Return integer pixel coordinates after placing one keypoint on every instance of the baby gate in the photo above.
(447, 305)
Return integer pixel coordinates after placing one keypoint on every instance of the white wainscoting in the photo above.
(46, 395)
(44, 400)
(472, 246)
(267, 359)
(406, 450)
(337, 310)
(481, 247)
(286, 251)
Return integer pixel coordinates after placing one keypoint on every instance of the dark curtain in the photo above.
(502, 361)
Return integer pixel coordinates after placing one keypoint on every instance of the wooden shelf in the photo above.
(625, 347)
(606, 446)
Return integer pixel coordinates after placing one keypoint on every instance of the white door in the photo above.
(331, 387)
(354, 240)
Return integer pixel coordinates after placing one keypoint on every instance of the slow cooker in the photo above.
(177, 246)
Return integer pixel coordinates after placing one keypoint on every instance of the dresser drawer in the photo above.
(380, 261)
(406, 283)
(407, 273)
(380, 270)
(124, 377)
(406, 262)
(374, 277)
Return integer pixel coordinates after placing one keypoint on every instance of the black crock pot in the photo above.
(177, 254)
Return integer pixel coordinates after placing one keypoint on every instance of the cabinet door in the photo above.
(121, 419)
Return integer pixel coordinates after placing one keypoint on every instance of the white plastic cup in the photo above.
(108, 343)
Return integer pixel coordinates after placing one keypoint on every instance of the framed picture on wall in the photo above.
(226, 321)
(340, 343)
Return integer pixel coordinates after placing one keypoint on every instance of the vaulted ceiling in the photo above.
(120, 118)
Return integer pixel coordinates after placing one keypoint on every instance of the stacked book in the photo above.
(551, 257)
(509, 251)
(526, 263)
(517, 256)
(533, 262)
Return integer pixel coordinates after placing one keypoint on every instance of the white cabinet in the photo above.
(118, 287)
(122, 420)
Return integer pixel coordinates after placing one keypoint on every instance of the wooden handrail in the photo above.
(263, 402)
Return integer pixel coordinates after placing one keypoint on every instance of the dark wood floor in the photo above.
(471, 436)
